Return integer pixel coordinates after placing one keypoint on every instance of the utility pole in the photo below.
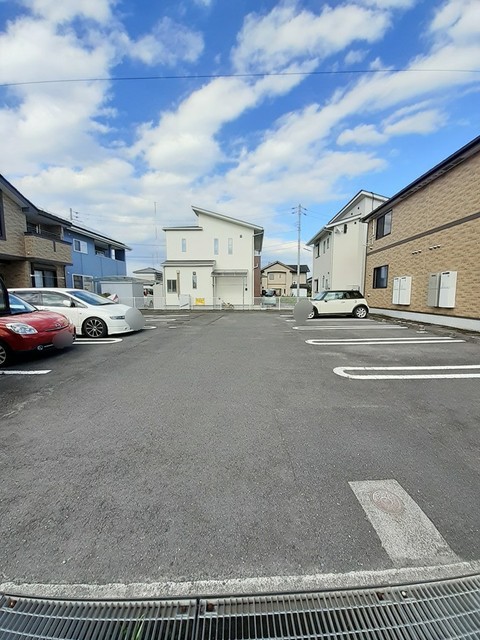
(299, 211)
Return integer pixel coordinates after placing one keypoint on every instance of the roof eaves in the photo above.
(221, 216)
(461, 155)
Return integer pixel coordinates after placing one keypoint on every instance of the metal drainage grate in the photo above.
(22, 618)
(432, 611)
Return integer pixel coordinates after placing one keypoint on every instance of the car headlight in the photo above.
(117, 317)
(21, 328)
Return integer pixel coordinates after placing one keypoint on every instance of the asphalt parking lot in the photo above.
(240, 446)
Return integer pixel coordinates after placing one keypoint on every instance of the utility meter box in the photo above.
(433, 290)
(448, 289)
(402, 290)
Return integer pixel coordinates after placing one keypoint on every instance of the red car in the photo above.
(24, 328)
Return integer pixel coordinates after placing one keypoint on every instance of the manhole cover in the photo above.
(387, 501)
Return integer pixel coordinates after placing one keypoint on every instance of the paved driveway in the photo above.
(227, 446)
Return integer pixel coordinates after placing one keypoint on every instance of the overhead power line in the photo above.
(212, 76)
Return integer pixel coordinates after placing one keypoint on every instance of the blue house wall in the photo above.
(88, 262)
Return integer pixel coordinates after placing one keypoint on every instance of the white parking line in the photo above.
(470, 368)
(150, 327)
(360, 342)
(406, 533)
(347, 327)
(382, 339)
(97, 341)
(11, 372)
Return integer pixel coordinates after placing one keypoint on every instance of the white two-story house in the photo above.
(214, 263)
(339, 248)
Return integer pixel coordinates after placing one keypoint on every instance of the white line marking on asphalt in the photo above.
(97, 341)
(344, 372)
(150, 327)
(373, 342)
(406, 533)
(347, 327)
(245, 586)
(38, 372)
(381, 339)
(164, 319)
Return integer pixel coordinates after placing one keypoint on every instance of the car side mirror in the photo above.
(68, 303)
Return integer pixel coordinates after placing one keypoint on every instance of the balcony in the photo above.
(48, 247)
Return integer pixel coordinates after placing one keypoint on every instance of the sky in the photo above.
(245, 107)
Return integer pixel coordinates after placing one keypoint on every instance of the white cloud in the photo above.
(457, 20)
(420, 123)
(354, 56)
(267, 43)
(363, 134)
(168, 43)
(389, 4)
(58, 11)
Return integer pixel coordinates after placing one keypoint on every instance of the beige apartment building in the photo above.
(423, 246)
(32, 249)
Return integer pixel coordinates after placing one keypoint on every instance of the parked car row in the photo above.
(38, 319)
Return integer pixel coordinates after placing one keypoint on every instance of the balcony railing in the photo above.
(47, 246)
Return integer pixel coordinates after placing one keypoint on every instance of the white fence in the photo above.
(275, 303)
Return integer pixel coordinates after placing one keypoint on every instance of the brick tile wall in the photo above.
(452, 196)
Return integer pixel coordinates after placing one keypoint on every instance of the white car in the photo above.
(92, 315)
(344, 302)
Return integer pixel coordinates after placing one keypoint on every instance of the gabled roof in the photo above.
(258, 231)
(148, 270)
(36, 214)
(220, 216)
(338, 218)
(463, 154)
(304, 268)
(96, 235)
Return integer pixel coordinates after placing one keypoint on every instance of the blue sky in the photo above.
(252, 146)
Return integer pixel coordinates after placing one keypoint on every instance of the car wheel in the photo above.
(94, 328)
(360, 312)
(5, 355)
(313, 313)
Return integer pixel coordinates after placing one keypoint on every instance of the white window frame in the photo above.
(215, 246)
(184, 245)
(82, 246)
(230, 246)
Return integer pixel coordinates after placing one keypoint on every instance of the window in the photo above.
(80, 246)
(43, 277)
(345, 228)
(380, 277)
(82, 282)
(323, 282)
(328, 242)
(101, 251)
(184, 245)
(230, 246)
(384, 225)
(271, 276)
(324, 245)
(33, 228)
(215, 246)
(317, 249)
(171, 286)
(315, 285)
(194, 280)
(51, 299)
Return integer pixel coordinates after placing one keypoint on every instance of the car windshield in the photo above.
(17, 305)
(89, 298)
(320, 296)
